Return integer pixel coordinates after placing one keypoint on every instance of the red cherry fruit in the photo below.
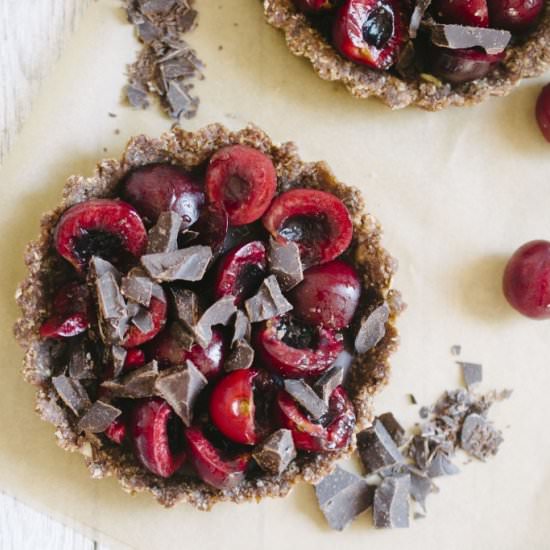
(157, 435)
(317, 221)
(473, 13)
(241, 271)
(211, 467)
(542, 112)
(135, 358)
(117, 431)
(294, 350)
(312, 6)
(212, 227)
(157, 188)
(328, 295)
(243, 180)
(99, 227)
(526, 281)
(370, 32)
(517, 16)
(332, 434)
(458, 66)
(134, 337)
(232, 408)
(168, 352)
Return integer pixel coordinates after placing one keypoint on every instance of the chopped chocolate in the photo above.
(143, 320)
(187, 264)
(479, 437)
(419, 451)
(180, 101)
(81, 361)
(456, 37)
(306, 397)
(242, 328)
(391, 503)
(111, 302)
(132, 309)
(180, 387)
(185, 305)
(156, 6)
(372, 329)
(456, 349)
(472, 374)
(329, 381)
(137, 289)
(342, 496)
(276, 452)
(136, 94)
(119, 356)
(377, 449)
(420, 8)
(219, 313)
(344, 360)
(269, 302)
(163, 236)
(113, 331)
(99, 267)
(72, 393)
(421, 487)
(396, 431)
(98, 418)
(412, 399)
(241, 357)
(136, 384)
(441, 465)
(285, 263)
(182, 336)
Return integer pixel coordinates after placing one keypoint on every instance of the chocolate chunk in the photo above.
(456, 37)
(285, 263)
(72, 393)
(306, 397)
(420, 8)
(98, 418)
(99, 266)
(136, 384)
(472, 374)
(479, 437)
(269, 302)
(441, 465)
(187, 264)
(182, 336)
(342, 496)
(372, 329)
(81, 361)
(219, 313)
(421, 487)
(137, 289)
(242, 328)
(396, 431)
(147, 32)
(241, 357)
(180, 387)
(180, 101)
(276, 452)
(156, 6)
(119, 357)
(391, 503)
(176, 68)
(185, 305)
(143, 320)
(163, 237)
(113, 331)
(377, 449)
(329, 381)
(136, 94)
(111, 302)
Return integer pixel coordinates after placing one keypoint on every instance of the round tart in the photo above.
(208, 318)
(430, 54)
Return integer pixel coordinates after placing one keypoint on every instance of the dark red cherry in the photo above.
(135, 358)
(542, 112)
(458, 66)
(158, 436)
(331, 434)
(295, 350)
(134, 337)
(243, 180)
(312, 6)
(212, 227)
(328, 295)
(241, 271)
(157, 188)
(517, 16)
(117, 431)
(472, 13)
(210, 465)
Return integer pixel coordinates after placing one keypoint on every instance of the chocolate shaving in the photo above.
(285, 263)
(391, 503)
(219, 313)
(137, 289)
(119, 357)
(421, 487)
(241, 356)
(472, 374)
(98, 418)
(187, 264)
(306, 397)
(185, 305)
(372, 329)
(269, 302)
(456, 37)
(72, 393)
(377, 449)
(163, 236)
(329, 381)
(136, 384)
(276, 452)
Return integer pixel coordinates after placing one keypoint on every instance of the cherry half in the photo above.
(458, 66)
(158, 310)
(517, 16)
(472, 13)
(542, 112)
(117, 431)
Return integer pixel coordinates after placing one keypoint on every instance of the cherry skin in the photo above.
(157, 435)
(328, 295)
(542, 112)
(472, 13)
(517, 16)
(526, 282)
(458, 66)
(135, 358)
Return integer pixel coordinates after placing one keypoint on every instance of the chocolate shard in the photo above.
(472, 374)
(441, 465)
(456, 37)
(342, 496)
(119, 356)
(285, 263)
(276, 453)
(479, 437)
(180, 387)
(180, 101)
(187, 264)
(157, 7)
(157, 290)
(306, 397)
(185, 305)
(99, 267)
(143, 320)
(113, 331)
(81, 361)
(420, 451)
(242, 328)
(72, 393)
(421, 487)
(372, 329)
(377, 449)
(269, 302)
(394, 428)
(136, 384)
(219, 313)
(182, 336)
(98, 417)
(163, 236)
(137, 289)
(111, 302)
(391, 503)
(136, 94)
(329, 381)
(420, 9)
(241, 357)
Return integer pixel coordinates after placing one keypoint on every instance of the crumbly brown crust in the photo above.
(369, 372)
(528, 59)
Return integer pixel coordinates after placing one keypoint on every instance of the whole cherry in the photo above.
(458, 66)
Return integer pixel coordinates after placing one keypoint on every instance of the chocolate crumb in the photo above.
(219, 313)
(372, 329)
(72, 393)
(456, 349)
(98, 418)
(276, 452)
(241, 356)
(391, 503)
(306, 397)
(269, 302)
(187, 264)
(472, 374)
(412, 399)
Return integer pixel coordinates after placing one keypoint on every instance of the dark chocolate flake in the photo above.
(276, 452)
(99, 267)
(111, 302)
(479, 437)
(137, 289)
(98, 417)
(421, 487)
(372, 329)
(456, 37)
(187, 264)
(81, 361)
(156, 6)
(119, 356)
(241, 357)
(472, 374)
(242, 328)
(269, 302)
(136, 94)
(72, 393)
(185, 305)
(306, 397)
(143, 320)
(136, 384)
(391, 503)
(163, 237)
(182, 335)
(377, 449)
(393, 427)
(328, 382)
(219, 313)
(180, 101)
(441, 465)
(285, 263)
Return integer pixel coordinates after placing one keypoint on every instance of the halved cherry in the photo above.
(241, 271)
(158, 436)
(331, 434)
(473, 13)
(107, 228)
(212, 227)
(209, 464)
(295, 350)
(168, 352)
(243, 180)
(317, 221)
(232, 408)
(134, 337)
(458, 66)
(157, 188)
(135, 358)
(313, 6)
(117, 431)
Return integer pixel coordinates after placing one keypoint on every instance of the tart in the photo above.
(208, 318)
(432, 54)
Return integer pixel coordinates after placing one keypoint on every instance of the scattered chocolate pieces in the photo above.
(163, 236)
(479, 437)
(219, 313)
(182, 336)
(396, 431)
(98, 417)
(456, 37)
(421, 487)
(377, 449)
(441, 465)
(285, 263)
(81, 361)
(72, 393)
(119, 356)
(269, 302)
(111, 302)
(342, 496)
(306, 397)
(137, 289)
(276, 452)
(241, 356)
(472, 374)
(143, 320)
(391, 502)
(136, 384)
(372, 329)
(328, 382)
(187, 264)
(185, 304)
